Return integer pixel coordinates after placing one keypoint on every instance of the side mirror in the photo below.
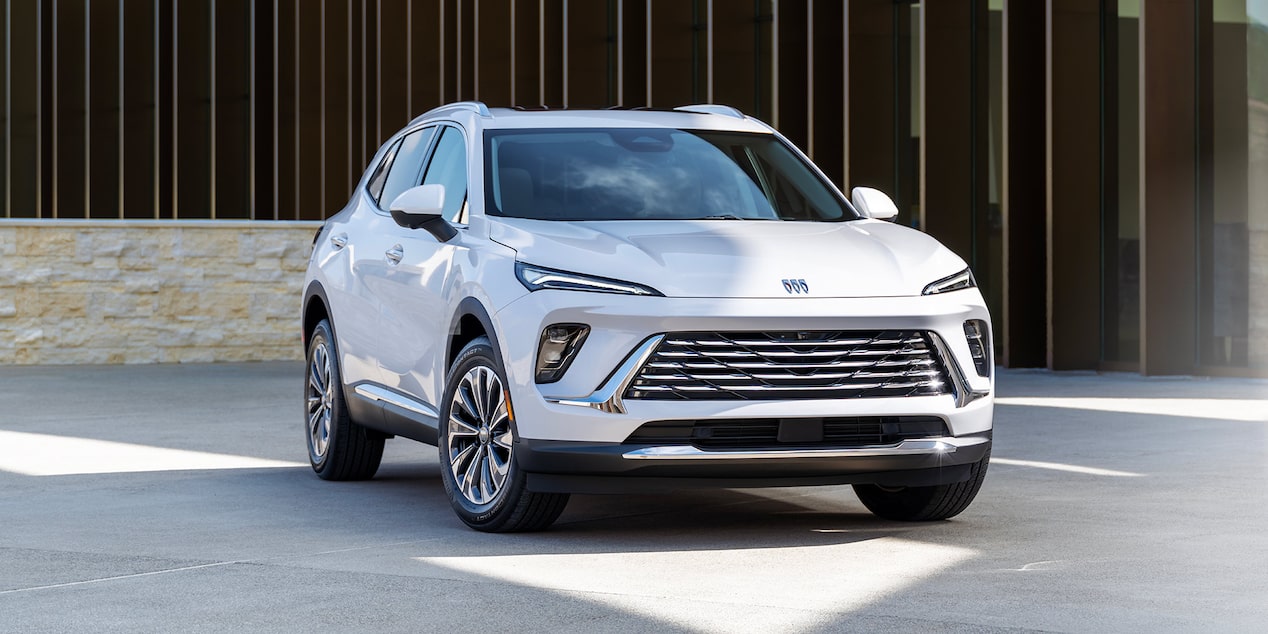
(873, 203)
(420, 207)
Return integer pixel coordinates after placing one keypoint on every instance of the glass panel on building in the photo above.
(1121, 277)
(906, 190)
(1233, 239)
(988, 251)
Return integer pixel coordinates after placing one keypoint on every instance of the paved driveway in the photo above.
(177, 498)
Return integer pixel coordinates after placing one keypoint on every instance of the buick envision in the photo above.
(630, 300)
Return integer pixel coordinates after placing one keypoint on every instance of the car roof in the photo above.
(698, 117)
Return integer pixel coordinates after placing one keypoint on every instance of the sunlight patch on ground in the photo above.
(46, 455)
(786, 589)
(1254, 410)
(1057, 466)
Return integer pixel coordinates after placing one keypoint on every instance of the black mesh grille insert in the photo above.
(754, 433)
(790, 365)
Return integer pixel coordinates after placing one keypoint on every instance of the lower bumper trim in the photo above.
(930, 446)
(603, 484)
(568, 461)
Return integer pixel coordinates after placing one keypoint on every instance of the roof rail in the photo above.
(477, 107)
(712, 108)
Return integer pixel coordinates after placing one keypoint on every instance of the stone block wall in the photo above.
(76, 291)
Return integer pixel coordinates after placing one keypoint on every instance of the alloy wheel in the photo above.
(320, 401)
(479, 438)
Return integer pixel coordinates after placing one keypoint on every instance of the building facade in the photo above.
(1102, 164)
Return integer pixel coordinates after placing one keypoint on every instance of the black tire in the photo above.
(338, 448)
(482, 478)
(924, 504)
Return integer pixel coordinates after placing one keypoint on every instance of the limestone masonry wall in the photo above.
(74, 291)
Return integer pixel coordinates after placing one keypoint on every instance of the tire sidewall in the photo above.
(476, 353)
(322, 333)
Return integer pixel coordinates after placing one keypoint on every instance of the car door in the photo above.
(367, 238)
(414, 314)
(354, 311)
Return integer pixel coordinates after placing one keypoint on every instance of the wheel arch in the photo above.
(470, 321)
(316, 308)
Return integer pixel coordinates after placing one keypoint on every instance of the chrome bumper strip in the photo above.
(928, 446)
(384, 395)
(963, 393)
(608, 397)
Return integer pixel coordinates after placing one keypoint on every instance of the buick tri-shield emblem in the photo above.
(798, 286)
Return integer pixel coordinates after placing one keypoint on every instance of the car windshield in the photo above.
(652, 174)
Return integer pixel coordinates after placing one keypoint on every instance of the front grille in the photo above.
(790, 365)
(752, 433)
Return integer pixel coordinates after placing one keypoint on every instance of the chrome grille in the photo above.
(790, 365)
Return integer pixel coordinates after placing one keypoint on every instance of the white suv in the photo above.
(619, 300)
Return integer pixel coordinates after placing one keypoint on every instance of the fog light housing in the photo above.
(979, 337)
(559, 344)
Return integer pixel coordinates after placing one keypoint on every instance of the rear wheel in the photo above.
(922, 504)
(484, 483)
(338, 448)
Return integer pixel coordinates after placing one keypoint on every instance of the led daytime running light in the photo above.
(536, 278)
(959, 281)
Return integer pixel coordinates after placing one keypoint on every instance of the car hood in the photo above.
(736, 258)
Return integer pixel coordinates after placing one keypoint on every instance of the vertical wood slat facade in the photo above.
(871, 78)
(269, 109)
(952, 102)
(1168, 169)
(1024, 175)
(1073, 203)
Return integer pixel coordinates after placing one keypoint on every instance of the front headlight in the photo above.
(536, 278)
(959, 281)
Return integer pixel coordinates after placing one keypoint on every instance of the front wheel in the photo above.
(477, 435)
(922, 504)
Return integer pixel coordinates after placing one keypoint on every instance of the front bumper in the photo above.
(555, 466)
(572, 410)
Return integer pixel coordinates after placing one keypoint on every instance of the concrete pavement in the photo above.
(161, 498)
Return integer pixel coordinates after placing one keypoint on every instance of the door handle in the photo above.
(395, 254)
(339, 241)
